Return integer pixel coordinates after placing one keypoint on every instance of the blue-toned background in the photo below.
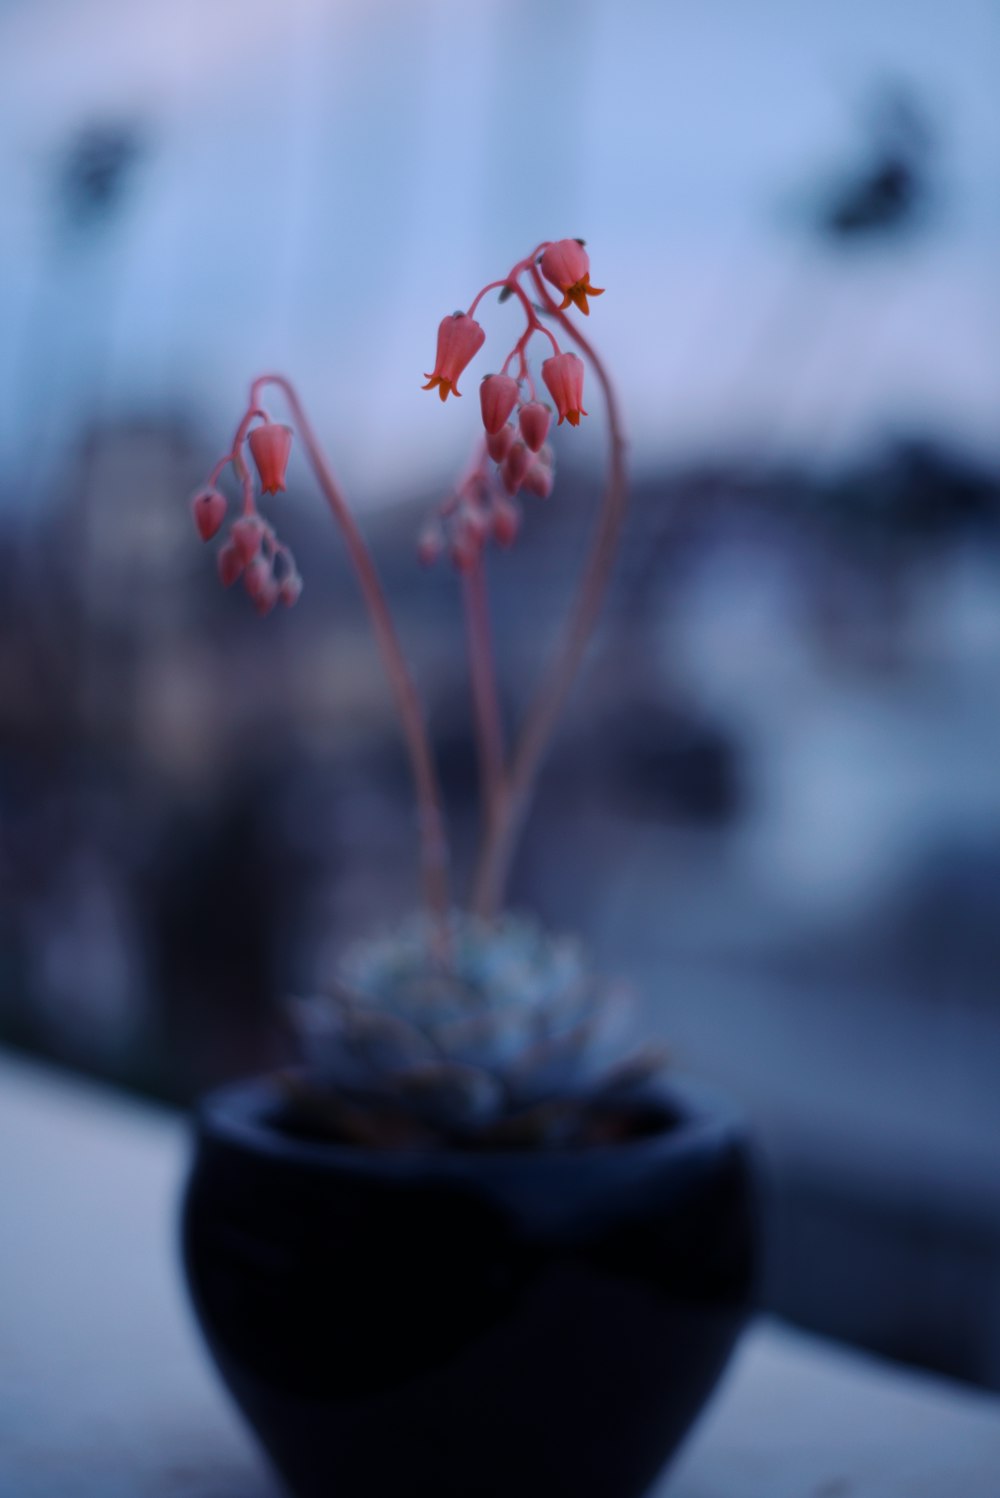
(775, 806)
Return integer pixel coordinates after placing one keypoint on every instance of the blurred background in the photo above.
(775, 804)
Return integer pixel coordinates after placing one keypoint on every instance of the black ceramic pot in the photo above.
(461, 1325)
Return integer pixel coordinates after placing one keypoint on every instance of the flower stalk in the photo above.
(485, 697)
(512, 457)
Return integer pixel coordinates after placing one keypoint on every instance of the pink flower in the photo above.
(290, 590)
(257, 578)
(506, 522)
(246, 535)
(230, 564)
(541, 475)
(465, 551)
(498, 397)
(473, 521)
(271, 445)
(459, 340)
(209, 511)
(268, 596)
(515, 466)
(567, 265)
(534, 421)
(563, 376)
(498, 445)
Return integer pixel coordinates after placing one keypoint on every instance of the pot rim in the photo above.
(236, 1116)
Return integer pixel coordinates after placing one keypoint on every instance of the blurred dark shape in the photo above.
(666, 763)
(96, 170)
(860, 1255)
(647, 759)
(942, 929)
(216, 904)
(916, 490)
(885, 191)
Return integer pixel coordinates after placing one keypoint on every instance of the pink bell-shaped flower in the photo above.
(563, 376)
(257, 578)
(566, 265)
(229, 563)
(265, 600)
(246, 535)
(459, 340)
(270, 445)
(515, 466)
(290, 589)
(465, 551)
(540, 476)
(498, 397)
(506, 522)
(209, 511)
(534, 421)
(498, 445)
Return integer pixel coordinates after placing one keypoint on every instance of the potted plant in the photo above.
(472, 1246)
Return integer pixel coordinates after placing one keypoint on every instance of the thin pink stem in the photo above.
(485, 699)
(493, 286)
(433, 842)
(235, 456)
(510, 280)
(535, 324)
(551, 694)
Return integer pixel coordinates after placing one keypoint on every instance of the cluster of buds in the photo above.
(252, 552)
(483, 506)
(512, 457)
(476, 512)
(516, 424)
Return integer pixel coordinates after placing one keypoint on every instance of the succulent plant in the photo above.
(513, 1042)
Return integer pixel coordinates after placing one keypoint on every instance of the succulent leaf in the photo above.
(515, 1042)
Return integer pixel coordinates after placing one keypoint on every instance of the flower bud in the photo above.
(464, 551)
(498, 397)
(268, 596)
(246, 534)
(459, 340)
(290, 590)
(475, 522)
(534, 422)
(539, 479)
(498, 444)
(209, 511)
(563, 376)
(515, 466)
(229, 563)
(506, 522)
(270, 445)
(257, 577)
(566, 265)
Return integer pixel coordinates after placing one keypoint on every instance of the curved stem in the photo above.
(491, 286)
(433, 842)
(512, 284)
(485, 701)
(551, 694)
(235, 456)
(510, 279)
